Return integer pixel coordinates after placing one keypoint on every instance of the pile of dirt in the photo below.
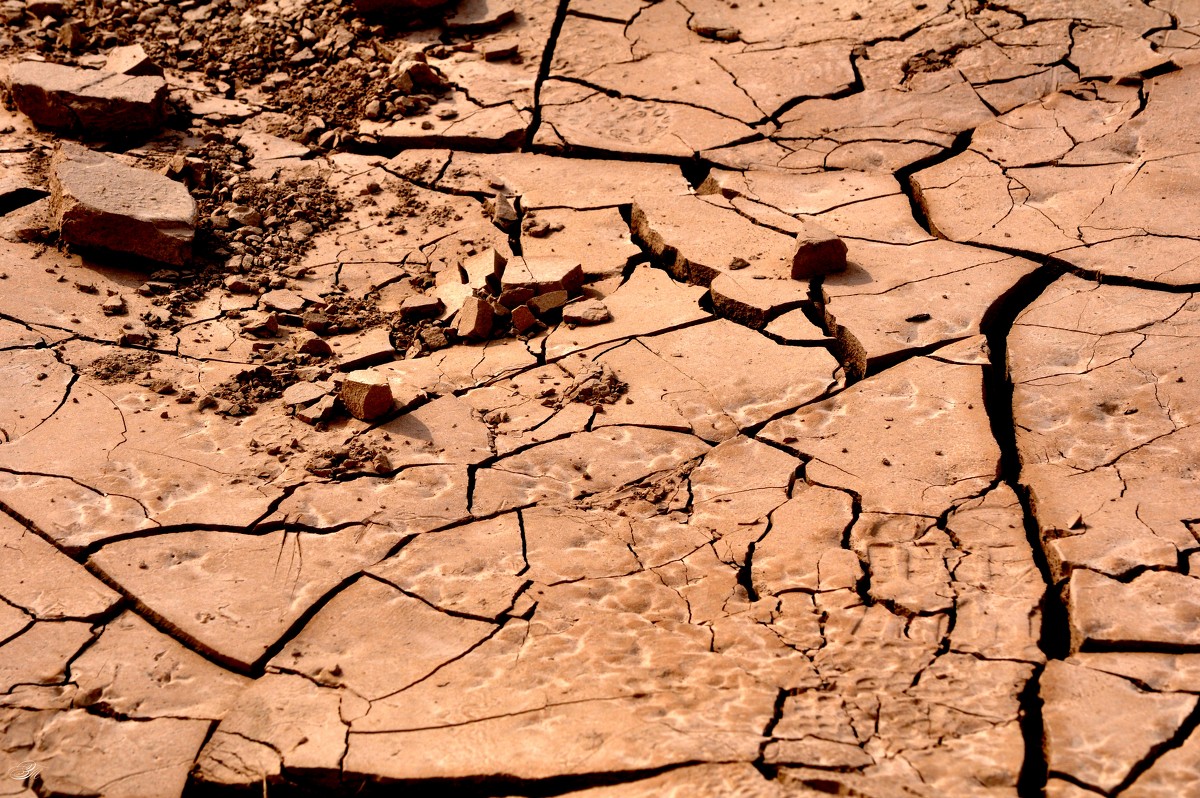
(121, 367)
(355, 457)
(242, 395)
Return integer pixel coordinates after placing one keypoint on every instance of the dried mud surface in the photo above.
(921, 527)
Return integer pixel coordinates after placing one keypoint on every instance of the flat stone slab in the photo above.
(1108, 452)
(99, 203)
(1099, 726)
(1155, 608)
(86, 101)
(919, 438)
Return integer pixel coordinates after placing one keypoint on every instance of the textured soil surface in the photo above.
(487, 444)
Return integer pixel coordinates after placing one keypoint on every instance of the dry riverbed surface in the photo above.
(600, 398)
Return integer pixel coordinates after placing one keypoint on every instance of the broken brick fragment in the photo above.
(366, 395)
(818, 252)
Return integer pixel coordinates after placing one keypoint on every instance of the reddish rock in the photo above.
(261, 325)
(484, 268)
(587, 311)
(748, 302)
(478, 15)
(818, 252)
(307, 342)
(421, 306)
(316, 413)
(523, 319)
(500, 49)
(114, 306)
(547, 302)
(542, 275)
(283, 300)
(47, 8)
(366, 395)
(502, 211)
(512, 297)
(556, 274)
(364, 349)
(409, 76)
(475, 319)
(87, 101)
(100, 203)
(405, 395)
(236, 284)
(131, 60)
(302, 393)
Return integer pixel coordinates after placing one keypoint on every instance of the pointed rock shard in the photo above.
(322, 410)
(484, 268)
(502, 211)
(88, 101)
(475, 319)
(131, 60)
(99, 203)
(555, 274)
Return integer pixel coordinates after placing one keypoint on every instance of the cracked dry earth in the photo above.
(919, 527)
